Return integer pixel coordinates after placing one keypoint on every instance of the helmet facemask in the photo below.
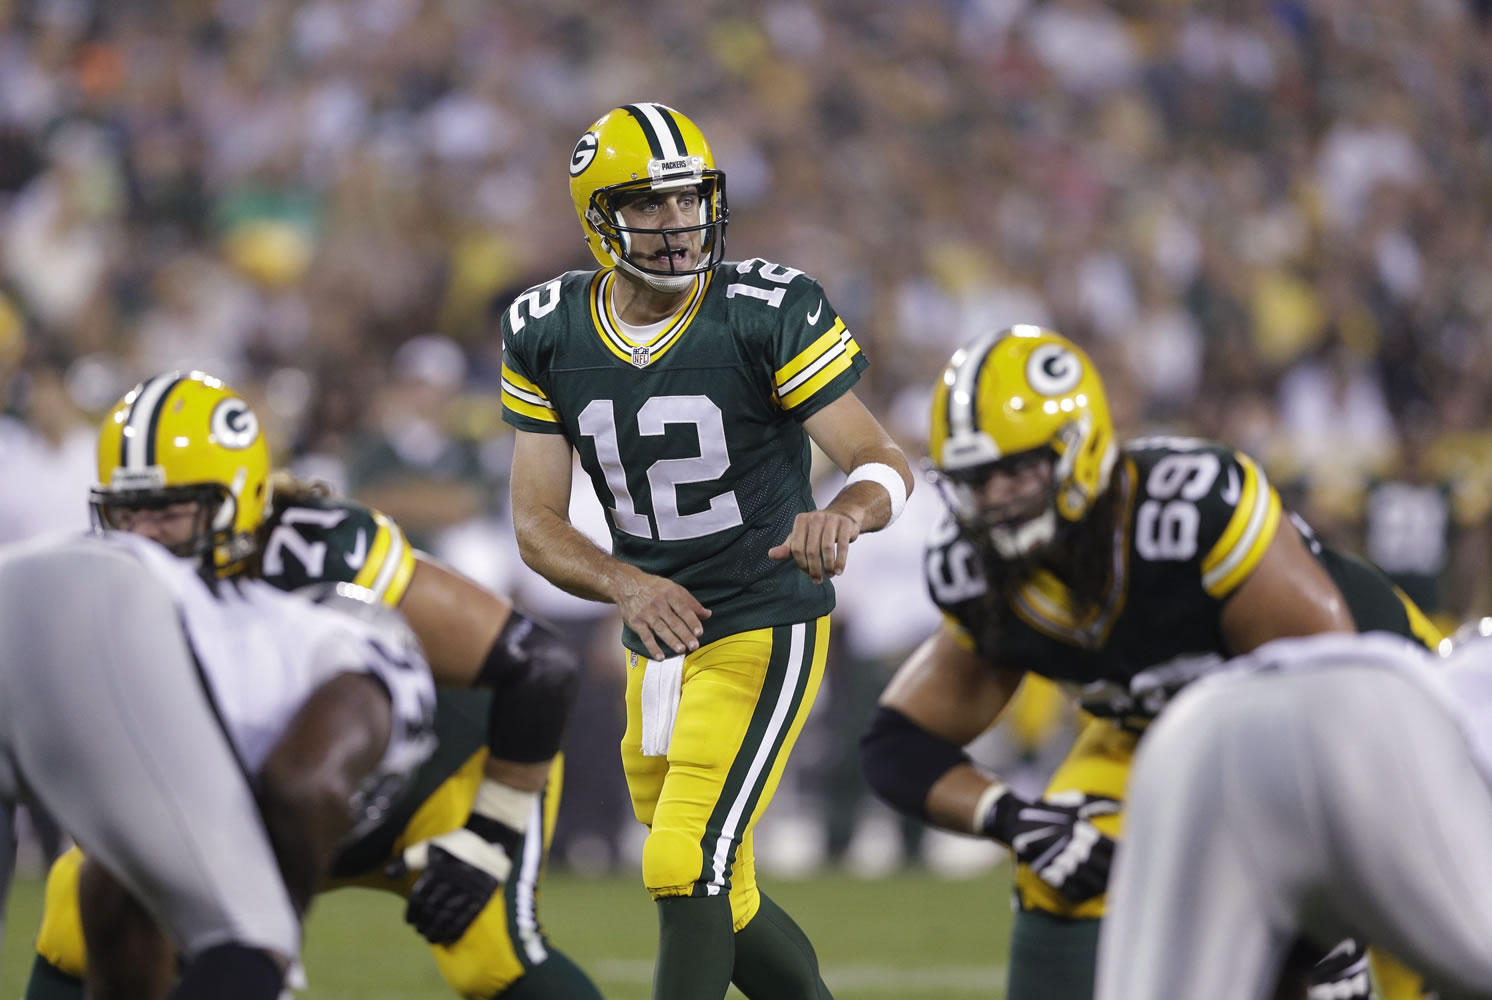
(609, 222)
(1017, 530)
(213, 540)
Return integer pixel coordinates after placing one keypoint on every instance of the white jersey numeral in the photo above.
(598, 422)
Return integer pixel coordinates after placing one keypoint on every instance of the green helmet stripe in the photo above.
(155, 421)
(667, 114)
(655, 143)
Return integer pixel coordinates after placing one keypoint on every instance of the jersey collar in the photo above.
(609, 328)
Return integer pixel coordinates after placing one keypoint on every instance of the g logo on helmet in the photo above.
(234, 425)
(1053, 370)
(585, 152)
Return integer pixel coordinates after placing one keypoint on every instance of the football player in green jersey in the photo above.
(466, 842)
(1121, 569)
(691, 389)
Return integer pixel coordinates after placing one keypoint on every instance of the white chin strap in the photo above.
(661, 282)
(1013, 543)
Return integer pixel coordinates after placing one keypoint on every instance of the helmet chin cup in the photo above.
(658, 282)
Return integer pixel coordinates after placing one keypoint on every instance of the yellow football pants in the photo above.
(502, 943)
(741, 706)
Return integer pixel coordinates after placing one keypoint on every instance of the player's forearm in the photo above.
(921, 773)
(523, 777)
(553, 548)
(869, 503)
(953, 802)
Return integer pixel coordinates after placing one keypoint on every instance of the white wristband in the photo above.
(986, 803)
(887, 479)
(505, 804)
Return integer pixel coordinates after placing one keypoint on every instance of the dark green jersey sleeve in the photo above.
(1204, 507)
(525, 395)
(814, 358)
(335, 540)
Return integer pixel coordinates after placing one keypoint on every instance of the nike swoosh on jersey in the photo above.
(359, 553)
(813, 317)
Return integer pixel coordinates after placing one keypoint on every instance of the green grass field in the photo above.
(911, 936)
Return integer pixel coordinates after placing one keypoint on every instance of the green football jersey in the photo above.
(322, 538)
(693, 441)
(1194, 518)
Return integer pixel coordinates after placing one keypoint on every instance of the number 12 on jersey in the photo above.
(598, 422)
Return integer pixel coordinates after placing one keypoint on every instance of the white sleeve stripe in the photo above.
(1245, 543)
(526, 396)
(783, 388)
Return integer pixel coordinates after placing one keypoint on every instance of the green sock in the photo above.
(696, 948)
(50, 983)
(1052, 958)
(555, 978)
(775, 960)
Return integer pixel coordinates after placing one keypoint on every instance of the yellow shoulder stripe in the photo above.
(808, 377)
(811, 353)
(527, 409)
(390, 562)
(1248, 534)
(519, 382)
(526, 399)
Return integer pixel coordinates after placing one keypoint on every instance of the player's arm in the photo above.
(939, 701)
(661, 612)
(1289, 593)
(879, 481)
(855, 440)
(1255, 562)
(943, 697)
(332, 744)
(475, 638)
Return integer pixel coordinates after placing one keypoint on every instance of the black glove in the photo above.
(460, 871)
(1054, 838)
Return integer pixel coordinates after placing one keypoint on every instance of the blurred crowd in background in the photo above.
(1269, 220)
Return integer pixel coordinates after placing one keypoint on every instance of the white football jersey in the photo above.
(1461, 681)
(262, 652)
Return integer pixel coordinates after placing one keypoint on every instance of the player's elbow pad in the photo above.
(902, 761)
(533, 674)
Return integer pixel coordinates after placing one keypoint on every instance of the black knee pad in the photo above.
(231, 972)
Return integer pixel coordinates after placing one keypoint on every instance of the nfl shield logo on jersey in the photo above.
(640, 357)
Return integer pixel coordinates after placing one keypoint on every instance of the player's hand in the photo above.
(662, 613)
(1056, 839)
(819, 543)
(460, 871)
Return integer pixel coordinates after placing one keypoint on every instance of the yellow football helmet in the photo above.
(1009, 398)
(646, 147)
(182, 437)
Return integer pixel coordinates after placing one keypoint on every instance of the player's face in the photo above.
(662, 211)
(171, 524)
(1015, 491)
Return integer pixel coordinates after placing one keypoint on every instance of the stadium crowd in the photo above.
(1268, 220)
